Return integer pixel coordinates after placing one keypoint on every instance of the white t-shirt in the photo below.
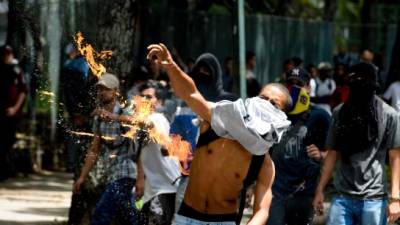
(255, 123)
(322, 88)
(393, 94)
(160, 171)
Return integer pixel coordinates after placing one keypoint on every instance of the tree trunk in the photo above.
(16, 27)
(394, 70)
(116, 31)
(365, 21)
(330, 10)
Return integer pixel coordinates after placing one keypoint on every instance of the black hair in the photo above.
(287, 61)
(310, 66)
(249, 55)
(297, 61)
(161, 92)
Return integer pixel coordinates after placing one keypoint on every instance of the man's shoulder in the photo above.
(388, 110)
(159, 117)
(317, 111)
(318, 115)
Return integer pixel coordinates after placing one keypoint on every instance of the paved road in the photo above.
(36, 200)
(44, 200)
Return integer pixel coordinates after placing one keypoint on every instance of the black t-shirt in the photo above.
(296, 173)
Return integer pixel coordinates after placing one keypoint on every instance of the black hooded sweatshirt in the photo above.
(211, 87)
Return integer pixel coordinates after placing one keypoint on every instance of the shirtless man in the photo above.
(240, 132)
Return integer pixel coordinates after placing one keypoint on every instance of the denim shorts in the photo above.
(183, 220)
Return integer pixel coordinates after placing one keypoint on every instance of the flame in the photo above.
(91, 55)
(47, 93)
(180, 149)
(143, 108)
(106, 138)
(174, 144)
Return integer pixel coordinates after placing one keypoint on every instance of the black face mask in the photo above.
(362, 90)
(202, 78)
(359, 117)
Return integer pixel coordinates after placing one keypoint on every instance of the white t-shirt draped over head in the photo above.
(160, 171)
(393, 94)
(256, 124)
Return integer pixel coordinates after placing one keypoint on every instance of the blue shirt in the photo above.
(78, 64)
(296, 172)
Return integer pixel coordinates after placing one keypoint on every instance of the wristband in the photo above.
(394, 199)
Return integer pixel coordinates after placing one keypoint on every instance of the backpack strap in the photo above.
(207, 137)
(254, 169)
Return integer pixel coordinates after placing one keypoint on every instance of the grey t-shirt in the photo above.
(363, 175)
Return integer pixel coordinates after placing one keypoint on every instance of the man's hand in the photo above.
(11, 111)
(159, 54)
(78, 185)
(314, 152)
(139, 188)
(393, 211)
(105, 115)
(318, 203)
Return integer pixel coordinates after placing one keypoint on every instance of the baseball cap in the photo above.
(299, 74)
(109, 80)
(324, 66)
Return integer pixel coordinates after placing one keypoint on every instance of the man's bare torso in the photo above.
(216, 177)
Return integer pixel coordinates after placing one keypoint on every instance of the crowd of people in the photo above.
(275, 151)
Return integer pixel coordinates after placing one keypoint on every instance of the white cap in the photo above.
(324, 66)
(109, 80)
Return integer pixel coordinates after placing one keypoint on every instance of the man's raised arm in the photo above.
(182, 84)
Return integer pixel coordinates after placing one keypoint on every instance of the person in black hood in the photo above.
(364, 130)
(207, 75)
(361, 114)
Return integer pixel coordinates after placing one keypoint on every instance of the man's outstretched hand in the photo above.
(159, 54)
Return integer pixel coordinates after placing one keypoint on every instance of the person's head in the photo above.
(250, 60)
(71, 51)
(312, 70)
(278, 95)
(287, 65)
(207, 75)
(340, 69)
(342, 49)
(367, 56)
(297, 61)
(107, 88)
(298, 77)
(324, 70)
(363, 81)
(298, 84)
(6, 54)
(340, 75)
(152, 91)
(228, 65)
